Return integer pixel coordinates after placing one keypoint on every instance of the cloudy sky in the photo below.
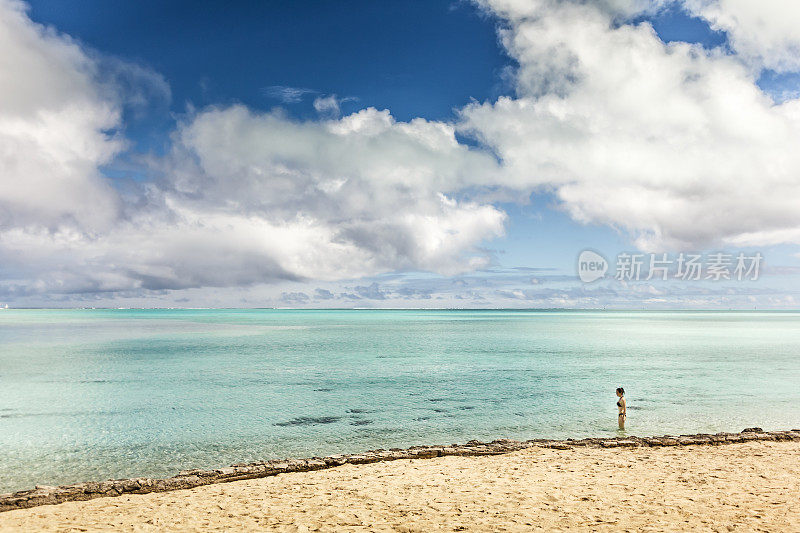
(445, 153)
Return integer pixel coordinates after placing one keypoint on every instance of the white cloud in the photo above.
(673, 143)
(330, 106)
(327, 105)
(286, 94)
(137, 88)
(53, 123)
(254, 198)
(358, 195)
(765, 33)
(247, 198)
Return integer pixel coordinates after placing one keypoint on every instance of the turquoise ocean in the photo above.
(99, 394)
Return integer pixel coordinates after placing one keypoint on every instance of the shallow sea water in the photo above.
(98, 394)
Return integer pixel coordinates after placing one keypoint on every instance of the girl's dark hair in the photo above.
(620, 390)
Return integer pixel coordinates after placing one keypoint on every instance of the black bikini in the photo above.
(619, 404)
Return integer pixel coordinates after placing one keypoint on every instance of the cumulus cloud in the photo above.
(336, 198)
(254, 198)
(246, 197)
(670, 142)
(54, 124)
(764, 33)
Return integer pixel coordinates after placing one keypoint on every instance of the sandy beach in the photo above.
(752, 486)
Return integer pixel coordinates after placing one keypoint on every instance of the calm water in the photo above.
(89, 395)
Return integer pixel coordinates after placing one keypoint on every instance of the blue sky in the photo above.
(419, 59)
(179, 72)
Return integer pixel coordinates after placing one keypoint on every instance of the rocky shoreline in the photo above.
(47, 495)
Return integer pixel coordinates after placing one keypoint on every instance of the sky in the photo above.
(399, 154)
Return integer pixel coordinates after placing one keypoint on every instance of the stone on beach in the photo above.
(44, 495)
(543, 486)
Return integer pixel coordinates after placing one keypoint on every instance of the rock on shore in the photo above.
(44, 495)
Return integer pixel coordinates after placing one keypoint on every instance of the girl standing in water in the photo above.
(621, 407)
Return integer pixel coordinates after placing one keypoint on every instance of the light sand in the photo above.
(746, 487)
